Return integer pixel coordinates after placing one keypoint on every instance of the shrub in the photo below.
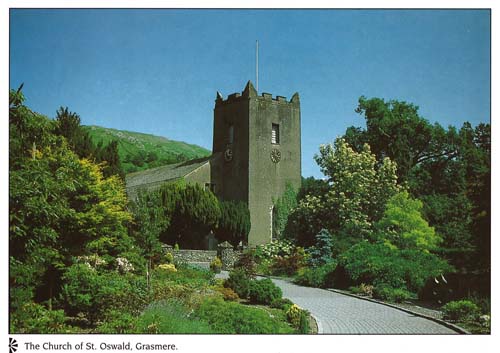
(461, 310)
(228, 317)
(168, 258)
(320, 277)
(216, 265)
(92, 293)
(239, 281)
(321, 253)
(167, 267)
(228, 294)
(293, 315)
(118, 322)
(170, 317)
(35, 318)
(304, 326)
(281, 303)
(383, 263)
(246, 262)
(264, 291)
(288, 265)
(390, 294)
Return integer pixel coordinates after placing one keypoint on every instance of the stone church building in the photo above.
(256, 151)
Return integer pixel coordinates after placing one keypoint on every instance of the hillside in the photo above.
(140, 151)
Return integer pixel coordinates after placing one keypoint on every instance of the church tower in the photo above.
(257, 141)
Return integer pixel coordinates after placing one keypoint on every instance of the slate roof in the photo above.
(163, 173)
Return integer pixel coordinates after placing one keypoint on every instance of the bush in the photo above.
(288, 265)
(320, 277)
(384, 264)
(168, 258)
(462, 310)
(216, 265)
(239, 281)
(281, 303)
(228, 294)
(170, 317)
(390, 294)
(92, 293)
(228, 317)
(246, 262)
(35, 318)
(264, 291)
(362, 289)
(118, 322)
(299, 318)
(167, 267)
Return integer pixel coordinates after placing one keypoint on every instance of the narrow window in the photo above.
(231, 134)
(275, 134)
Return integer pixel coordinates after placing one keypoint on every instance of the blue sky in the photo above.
(158, 71)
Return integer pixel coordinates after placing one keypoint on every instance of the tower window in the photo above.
(275, 134)
(231, 134)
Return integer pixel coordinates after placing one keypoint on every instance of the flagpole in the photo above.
(257, 64)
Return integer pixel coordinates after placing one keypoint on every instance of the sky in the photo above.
(158, 71)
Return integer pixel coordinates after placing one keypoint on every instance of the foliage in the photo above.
(274, 249)
(288, 265)
(264, 291)
(60, 207)
(449, 170)
(382, 263)
(321, 252)
(228, 294)
(216, 265)
(462, 310)
(281, 210)
(234, 222)
(167, 268)
(118, 322)
(299, 318)
(169, 258)
(149, 221)
(171, 317)
(362, 289)
(230, 317)
(281, 303)
(247, 263)
(359, 190)
(390, 294)
(320, 277)
(35, 318)
(87, 291)
(239, 281)
(403, 225)
(191, 212)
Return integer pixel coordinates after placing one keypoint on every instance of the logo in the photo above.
(12, 345)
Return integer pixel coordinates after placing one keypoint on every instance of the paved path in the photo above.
(338, 313)
(342, 314)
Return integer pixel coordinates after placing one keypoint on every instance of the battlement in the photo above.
(250, 92)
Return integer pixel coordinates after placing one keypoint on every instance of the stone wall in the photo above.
(194, 255)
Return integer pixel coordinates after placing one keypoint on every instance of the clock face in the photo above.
(275, 155)
(228, 155)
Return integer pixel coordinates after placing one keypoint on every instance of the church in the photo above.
(256, 152)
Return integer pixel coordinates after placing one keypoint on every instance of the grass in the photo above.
(140, 151)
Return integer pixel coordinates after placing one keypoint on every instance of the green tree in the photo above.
(234, 223)
(60, 207)
(403, 225)
(192, 213)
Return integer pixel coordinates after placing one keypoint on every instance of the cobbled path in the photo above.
(341, 314)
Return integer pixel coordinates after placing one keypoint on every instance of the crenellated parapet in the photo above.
(250, 92)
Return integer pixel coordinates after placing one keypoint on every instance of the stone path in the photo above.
(341, 314)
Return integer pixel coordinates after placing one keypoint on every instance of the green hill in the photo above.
(140, 151)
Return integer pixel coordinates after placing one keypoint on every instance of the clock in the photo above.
(275, 155)
(228, 155)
